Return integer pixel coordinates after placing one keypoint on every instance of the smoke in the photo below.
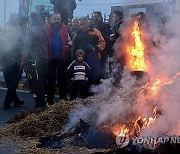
(111, 105)
(167, 65)
(117, 104)
(11, 41)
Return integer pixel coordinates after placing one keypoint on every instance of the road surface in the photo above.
(6, 115)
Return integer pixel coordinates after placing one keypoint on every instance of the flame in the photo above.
(120, 130)
(152, 90)
(139, 124)
(158, 84)
(144, 122)
(136, 60)
(150, 93)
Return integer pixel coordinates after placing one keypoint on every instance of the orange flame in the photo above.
(152, 91)
(143, 122)
(136, 60)
(139, 124)
(159, 84)
(121, 130)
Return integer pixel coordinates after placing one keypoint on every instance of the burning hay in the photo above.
(35, 125)
(40, 123)
(28, 128)
(145, 103)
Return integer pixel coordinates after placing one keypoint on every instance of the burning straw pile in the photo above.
(40, 123)
(28, 127)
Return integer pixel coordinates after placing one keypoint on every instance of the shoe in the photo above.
(7, 107)
(19, 104)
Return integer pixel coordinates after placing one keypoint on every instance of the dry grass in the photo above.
(26, 128)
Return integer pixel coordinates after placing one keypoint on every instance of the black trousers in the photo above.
(78, 86)
(57, 74)
(38, 76)
(11, 76)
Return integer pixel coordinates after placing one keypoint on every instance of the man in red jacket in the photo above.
(58, 48)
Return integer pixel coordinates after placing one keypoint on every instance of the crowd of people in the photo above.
(54, 54)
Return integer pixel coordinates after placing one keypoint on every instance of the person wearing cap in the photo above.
(78, 73)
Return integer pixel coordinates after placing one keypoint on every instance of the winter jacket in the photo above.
(78, 70)
(92, 37)
(63, 32)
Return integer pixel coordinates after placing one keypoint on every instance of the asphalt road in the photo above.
(6, 115)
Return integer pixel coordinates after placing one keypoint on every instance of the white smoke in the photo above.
(112, 104)
(168, 65)
(11, 46)
(117, 104)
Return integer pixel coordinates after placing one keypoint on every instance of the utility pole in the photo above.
(4, 12)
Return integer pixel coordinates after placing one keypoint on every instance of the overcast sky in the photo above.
(87, 6)
(83, 8)
(12, 7)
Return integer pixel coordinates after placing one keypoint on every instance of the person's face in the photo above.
(95, 17)
(48, 20)
(115, 18)
(75, 23)
(56, 19)
(80, 57)
(84, 25)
